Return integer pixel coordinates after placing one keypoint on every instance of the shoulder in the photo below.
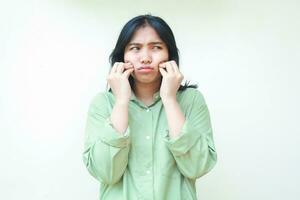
(191, 95)
(102, 98)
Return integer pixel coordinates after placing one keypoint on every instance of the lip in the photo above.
(145, 69)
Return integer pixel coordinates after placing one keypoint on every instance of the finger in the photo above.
(128, 65)
(128, 72)
(120, 68)
(114, 67)
(169, 67)
(163, 71)
(174, 66)
(162, 64)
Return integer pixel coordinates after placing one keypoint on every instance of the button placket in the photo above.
(148, 164)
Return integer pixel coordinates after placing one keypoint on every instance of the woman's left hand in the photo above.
(171, 80)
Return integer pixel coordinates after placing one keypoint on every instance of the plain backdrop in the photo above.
(244, 55)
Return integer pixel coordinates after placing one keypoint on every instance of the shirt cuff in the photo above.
(113, 138)
(184, 142)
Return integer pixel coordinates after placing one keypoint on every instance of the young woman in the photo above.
(148, 137)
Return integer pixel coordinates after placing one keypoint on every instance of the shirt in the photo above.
(144, 162)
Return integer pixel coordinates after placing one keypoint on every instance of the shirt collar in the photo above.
(156, 96)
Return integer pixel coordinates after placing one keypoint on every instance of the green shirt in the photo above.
(145, 163)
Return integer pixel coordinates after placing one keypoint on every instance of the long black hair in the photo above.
(162, 29)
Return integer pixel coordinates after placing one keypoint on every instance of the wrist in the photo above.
(169, 100)
(122, 102)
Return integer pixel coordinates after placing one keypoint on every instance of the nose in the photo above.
(145, 57)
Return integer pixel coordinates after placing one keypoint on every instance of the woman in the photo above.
(148, 137)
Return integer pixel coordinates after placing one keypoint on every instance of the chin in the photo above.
(147, 79)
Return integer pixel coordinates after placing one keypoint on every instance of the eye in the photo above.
(134, 48)
(157, 47)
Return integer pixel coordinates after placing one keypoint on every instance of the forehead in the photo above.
(145, 34)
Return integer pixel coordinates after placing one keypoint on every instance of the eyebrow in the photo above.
(138, 44)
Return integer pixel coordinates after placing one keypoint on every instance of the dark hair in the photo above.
(162, 29)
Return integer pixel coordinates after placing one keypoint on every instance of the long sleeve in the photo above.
(194, 150)
(105, 150)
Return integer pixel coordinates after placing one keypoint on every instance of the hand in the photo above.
(171, 80)
(118, 81)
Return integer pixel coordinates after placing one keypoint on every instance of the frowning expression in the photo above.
(146, 51)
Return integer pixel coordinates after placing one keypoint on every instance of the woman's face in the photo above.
(146, 51)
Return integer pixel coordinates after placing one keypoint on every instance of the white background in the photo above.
(243, 54)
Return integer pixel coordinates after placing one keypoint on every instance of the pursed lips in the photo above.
(145, 67)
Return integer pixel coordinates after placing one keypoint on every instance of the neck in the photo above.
(145, 91)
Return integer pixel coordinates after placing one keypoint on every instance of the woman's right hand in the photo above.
(118, 81)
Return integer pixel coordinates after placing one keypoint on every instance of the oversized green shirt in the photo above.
(145, 163)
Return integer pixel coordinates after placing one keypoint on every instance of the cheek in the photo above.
(163, 57)
(166, 56)
(129, 57)
(126, 57)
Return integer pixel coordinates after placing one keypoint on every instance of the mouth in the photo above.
(145, 69)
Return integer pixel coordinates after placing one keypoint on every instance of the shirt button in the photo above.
(147, 137)
(148, 110)
(148, 172)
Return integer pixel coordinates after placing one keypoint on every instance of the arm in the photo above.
(105, 148)
(175, 117)
(192, 144)
(119, 116)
